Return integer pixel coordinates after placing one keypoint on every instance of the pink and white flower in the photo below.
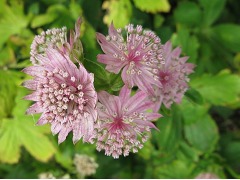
(173, 76)
(138, 55)
(123, 123)
(57, 38)
(64, 94)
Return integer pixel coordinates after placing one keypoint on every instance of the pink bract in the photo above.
(123, 123)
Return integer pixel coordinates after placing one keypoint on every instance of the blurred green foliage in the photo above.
(200, 135)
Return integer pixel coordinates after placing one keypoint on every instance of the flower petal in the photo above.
(135, 100)
(34, 109)
(125, 93)
(56, 127)
(30, 84)
(34, 96)
(63, 134)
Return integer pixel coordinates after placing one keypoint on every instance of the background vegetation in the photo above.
(200, 135)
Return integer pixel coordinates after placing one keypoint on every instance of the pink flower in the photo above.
(64, 94)
(173, 76)
(123, 122)
(57, 38)
(138, 56)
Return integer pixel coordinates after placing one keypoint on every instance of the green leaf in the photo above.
(230, 151)
(188, 109)
(236, 62)
(12, 20)
(7, 92)
(153, 6)
(188, 153)
(67, 150)
(146, 151)
(9, 142)
(43, 19)
(7, 56)
(32, 136)
(52, 13)
(194, 96)
(34, 8)
(176, 169)
(212, 10)
(232, 172)
(189, 43)
(211, 165)
(21, 105)
(116, 82)
(205, 63)
(188, 13)
(64, 159)
(36, 143)
(88, 38)
(170, 132)
(67, 13)
(21, 131)
(199, 128)
(158, 21)
(100, 75)
(221, 89)
(103, 80)
(117, 11)
(228, 35)
(92, 16)
(165, 33)
(75, 9)
(65, 153)
(202, 134)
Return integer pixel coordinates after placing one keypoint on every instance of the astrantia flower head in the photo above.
(57, 38)
(64, 94)
(85, 165)
(123, 122)
(139, 55)
(173, 76)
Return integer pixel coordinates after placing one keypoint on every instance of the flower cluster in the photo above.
(66, 97)
(158, 72)
(154, 68)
